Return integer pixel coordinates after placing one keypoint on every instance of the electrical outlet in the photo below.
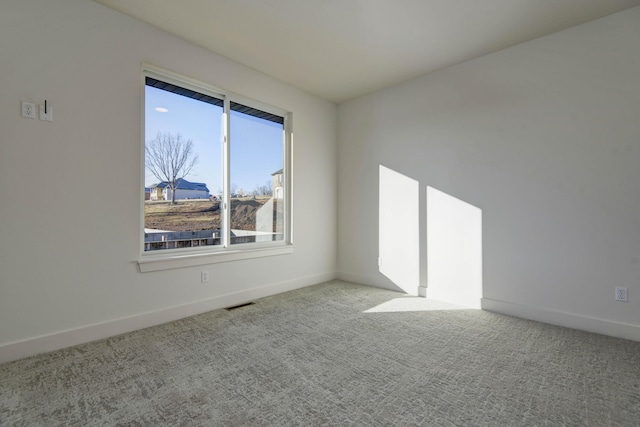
(28, 110)
(622, 294)
(204, 276)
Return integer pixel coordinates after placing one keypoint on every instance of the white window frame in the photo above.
(188, 257)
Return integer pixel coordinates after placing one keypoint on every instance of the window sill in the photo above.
(158, 263)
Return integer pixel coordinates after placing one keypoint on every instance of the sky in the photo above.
(256, 145)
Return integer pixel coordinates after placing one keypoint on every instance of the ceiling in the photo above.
(341, 49)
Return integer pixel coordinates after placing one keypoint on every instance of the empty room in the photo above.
(281, 212)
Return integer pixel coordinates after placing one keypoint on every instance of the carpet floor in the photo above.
(332, 354)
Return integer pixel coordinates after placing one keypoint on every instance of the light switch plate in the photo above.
(48, 116)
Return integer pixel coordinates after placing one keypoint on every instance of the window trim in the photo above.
(188, 257)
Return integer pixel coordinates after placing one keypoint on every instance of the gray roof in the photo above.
(183, 184)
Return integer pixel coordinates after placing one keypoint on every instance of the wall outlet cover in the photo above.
(622, 294)
(28, 110)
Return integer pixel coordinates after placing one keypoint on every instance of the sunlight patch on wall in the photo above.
(399, 230)
(454, 250)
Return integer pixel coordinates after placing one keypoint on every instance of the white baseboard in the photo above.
(378, 282)
(569, 320)
(353, 278)
(58, 340)
(453, 298)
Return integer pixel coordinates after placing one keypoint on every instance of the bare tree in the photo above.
(263, 190)
(170, 158)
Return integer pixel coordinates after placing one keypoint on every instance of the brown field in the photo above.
(194, 215)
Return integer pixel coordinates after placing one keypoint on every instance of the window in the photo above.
(216, 170)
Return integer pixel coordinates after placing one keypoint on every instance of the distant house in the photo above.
(277, 184)
(147, 193)
(184, 190)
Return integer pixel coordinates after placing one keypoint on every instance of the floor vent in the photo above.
(239, 306)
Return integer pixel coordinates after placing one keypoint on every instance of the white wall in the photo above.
(454, 250)
(398, 229)
(68, 270)
(544, 138)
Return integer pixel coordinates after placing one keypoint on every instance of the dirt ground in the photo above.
(194, 215)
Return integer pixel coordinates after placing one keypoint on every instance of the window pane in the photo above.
(256, 175)
(183, 167)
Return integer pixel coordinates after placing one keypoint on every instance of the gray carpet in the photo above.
(332, 354)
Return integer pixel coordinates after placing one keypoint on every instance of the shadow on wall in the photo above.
(453, 241)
